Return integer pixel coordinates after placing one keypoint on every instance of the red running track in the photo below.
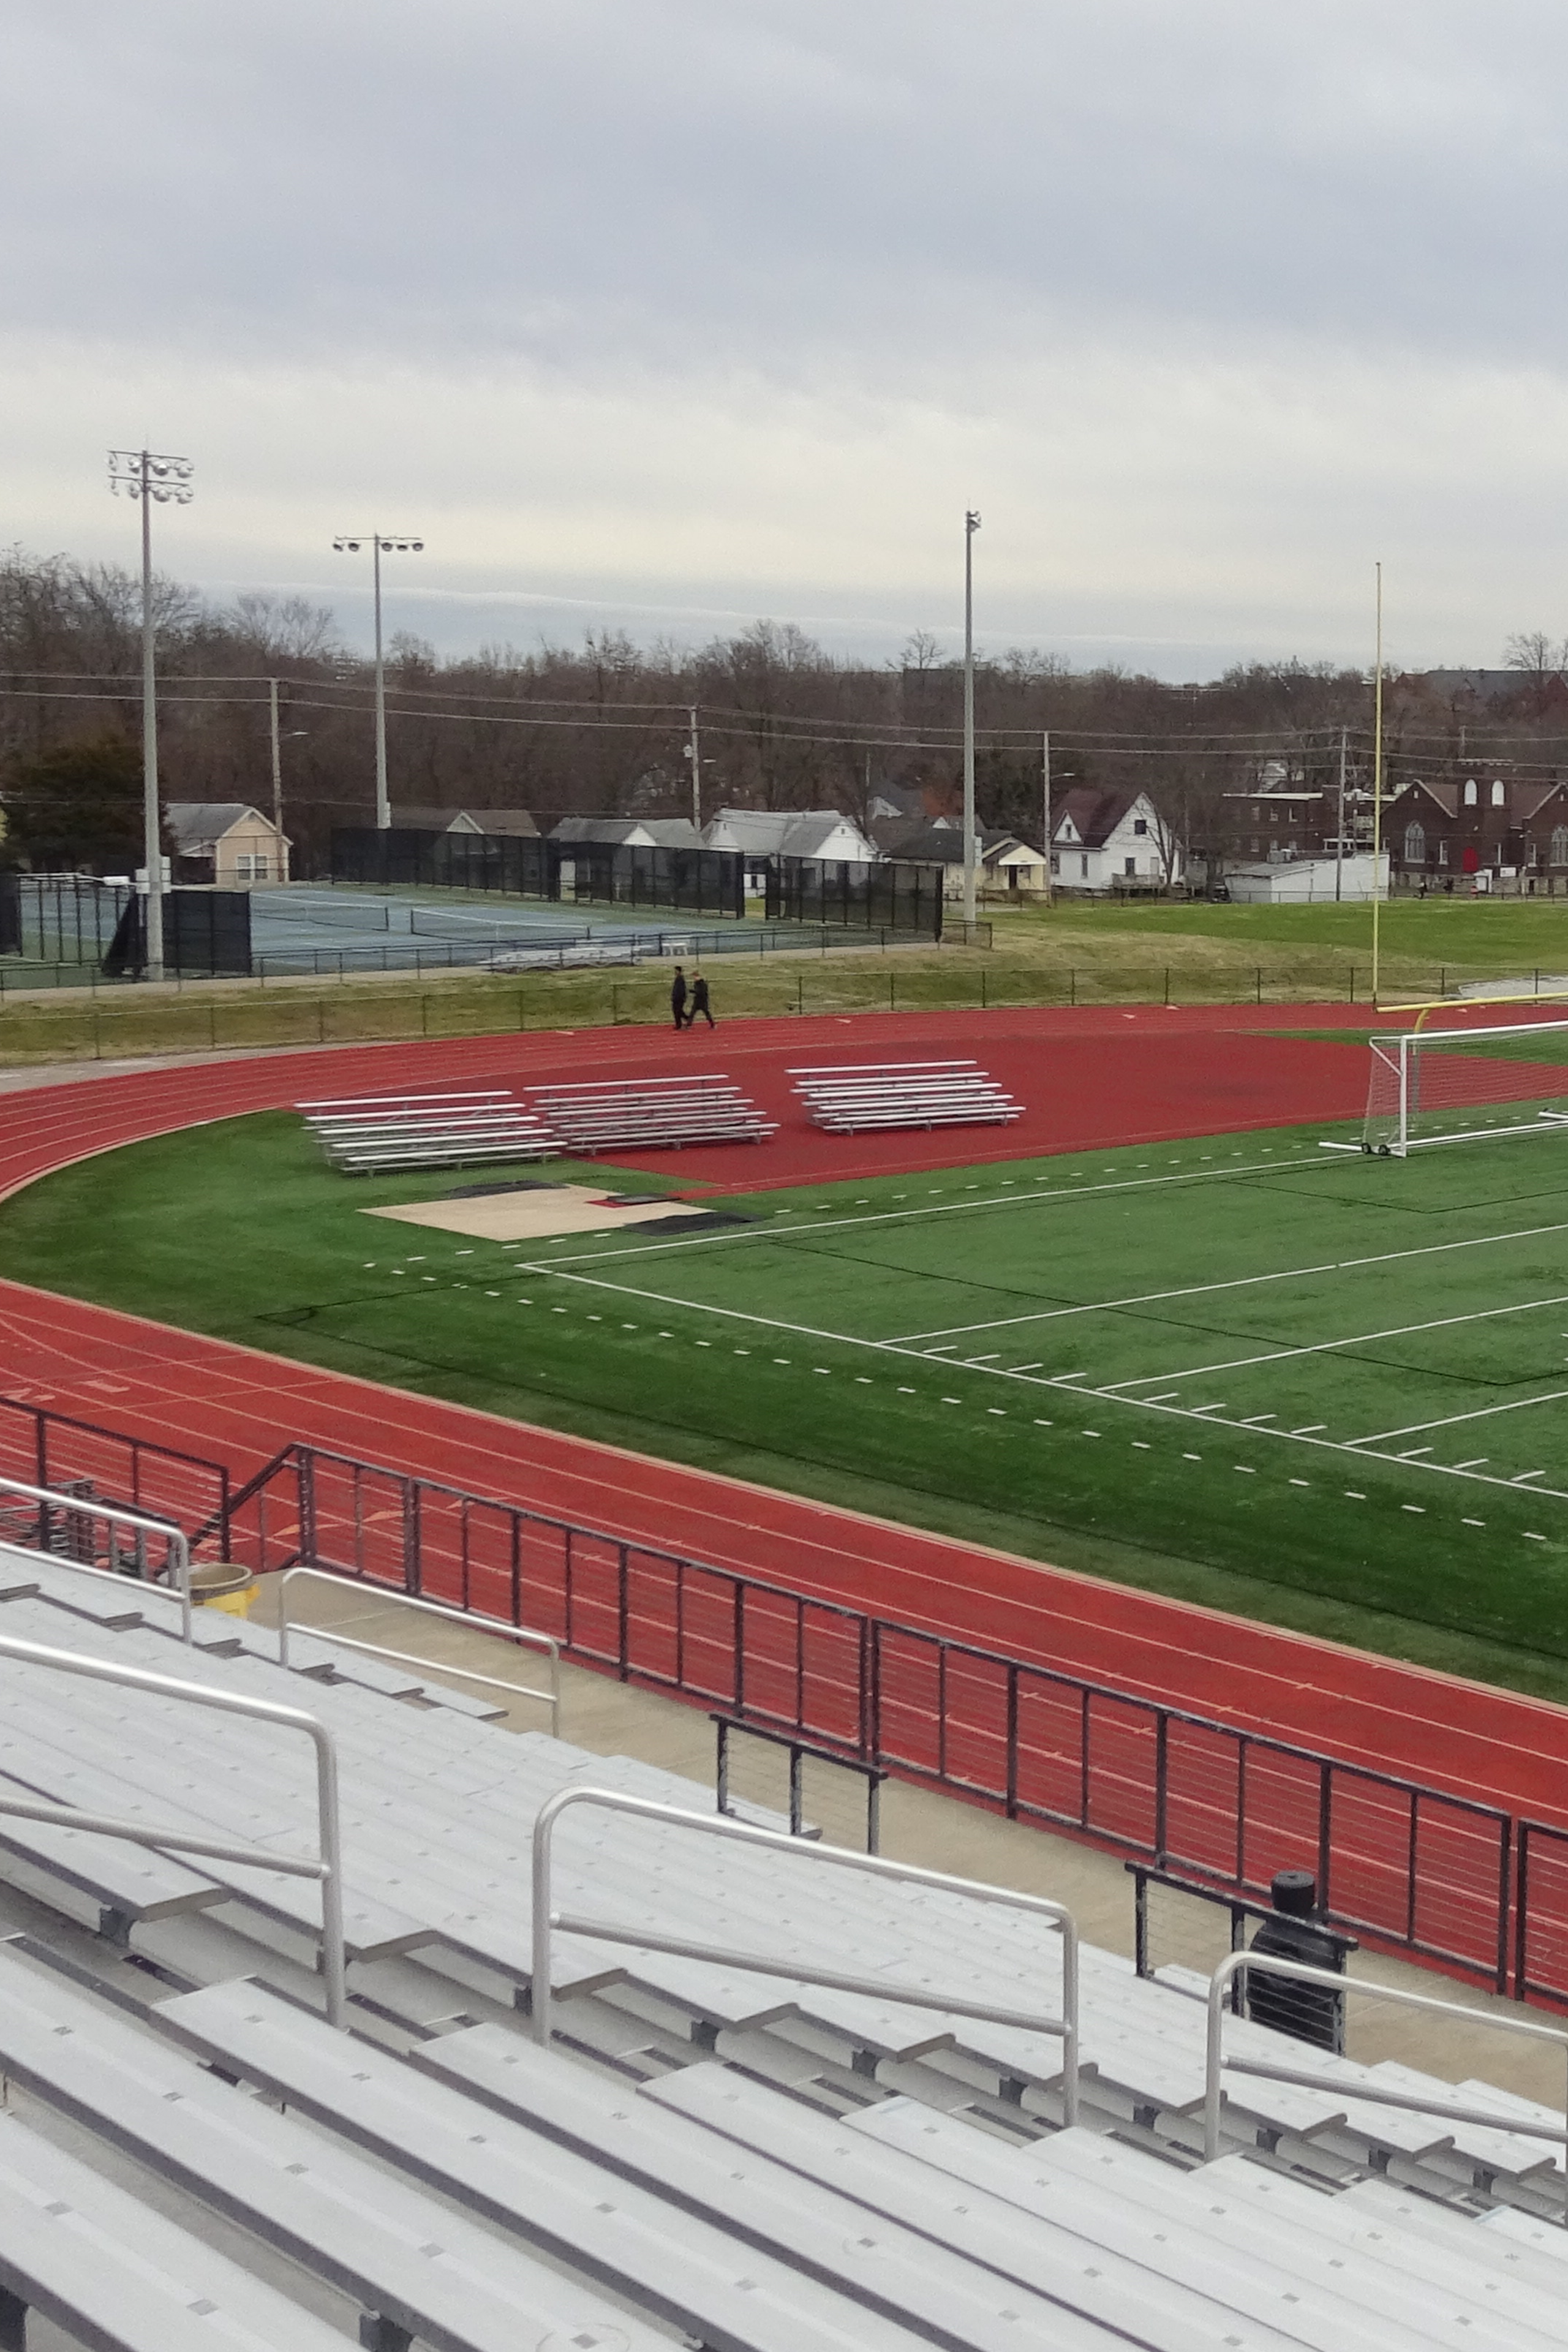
(1093, 1078)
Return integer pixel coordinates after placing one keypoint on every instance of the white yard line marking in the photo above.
(1327, 1347)
(1242, 1282)
(1452, 1420)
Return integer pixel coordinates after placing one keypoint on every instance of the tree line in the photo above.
(601, 728)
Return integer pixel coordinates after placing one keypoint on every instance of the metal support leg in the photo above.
(12, 2322)
(379, 2334)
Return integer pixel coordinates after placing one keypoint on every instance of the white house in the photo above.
(760, 835)
(629, 832)
(516, 823)
(1103, 841)
(228, 843)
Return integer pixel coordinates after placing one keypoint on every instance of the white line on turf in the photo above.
(1327, 1347)
(1450, 1421)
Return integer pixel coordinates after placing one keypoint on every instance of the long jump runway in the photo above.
(1092, 1079)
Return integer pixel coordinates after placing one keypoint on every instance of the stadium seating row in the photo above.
(637, 1114)
(744, 2161)
(847, 1099)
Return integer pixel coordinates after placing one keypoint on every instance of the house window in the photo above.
(1056, 861)
(1256, 846)
(1469, 792)
(1141, 825)
(1414, 845)
(1442, 853)
(1257, 813)
(251, 869)
(1130, 866)
(1273, 816)
(1083, 861)
(1560, 845)
(1496, 792)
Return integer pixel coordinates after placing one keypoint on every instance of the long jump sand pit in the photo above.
(538, 1211)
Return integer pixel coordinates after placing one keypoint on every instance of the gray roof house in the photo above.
(629, 832)
(515, 821)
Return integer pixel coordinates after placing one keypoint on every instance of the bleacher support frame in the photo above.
(326, 1867)
(546, 1920)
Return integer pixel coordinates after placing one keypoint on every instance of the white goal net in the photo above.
(1466, 1085)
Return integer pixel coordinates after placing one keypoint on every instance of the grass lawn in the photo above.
(1323, 1389)
(1074, 952)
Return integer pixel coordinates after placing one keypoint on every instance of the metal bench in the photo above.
(417, 2267)
(720, 2287)
(114, 2272)
(648, 1113)
(386, 1131)
(852, 1097)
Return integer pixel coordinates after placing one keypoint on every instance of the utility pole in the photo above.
(1046, 789)
(277, 769)
(971, 525)
(141, 475)
(1340, 829)
(395, 543)
(694, 754)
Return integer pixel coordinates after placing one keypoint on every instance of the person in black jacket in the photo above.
(700, 1003)
(677, 996)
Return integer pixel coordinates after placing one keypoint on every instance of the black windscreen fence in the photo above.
(889, 898)
(677, 881)
(206, 934)
(59, 919)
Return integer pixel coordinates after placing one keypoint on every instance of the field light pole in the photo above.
(1377, 789)
(381, 543)
(1046, 792)
(971, 525)
(142, 475)
(1340, 829)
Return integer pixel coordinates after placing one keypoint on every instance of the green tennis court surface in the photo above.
(1342, 1375)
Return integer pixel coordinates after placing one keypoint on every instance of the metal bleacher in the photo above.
(621, 1114)
(363, 1134)
(850, 1098)
(728, 2156)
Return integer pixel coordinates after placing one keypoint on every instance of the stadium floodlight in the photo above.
(162, 480)
(971, 525)
(1466, 1085)
(380, 543)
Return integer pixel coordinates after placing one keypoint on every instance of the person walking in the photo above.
(677, 996)
(699, 1003)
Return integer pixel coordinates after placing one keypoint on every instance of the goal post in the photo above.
(1466, 1085)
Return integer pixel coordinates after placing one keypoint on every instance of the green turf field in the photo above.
(1312, 1385)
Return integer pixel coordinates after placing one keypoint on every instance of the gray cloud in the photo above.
(720, 305)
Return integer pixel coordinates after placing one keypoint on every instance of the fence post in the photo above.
(1072, 984)
(1013, 1741)
(624, 1605)
(1162, 1765)
(1352, 984)
(1260, 983)
(799, 992)
(1167, 983)
(520, 1021)
(1325, 1840)
(1521, 1914)
(983, 995)
(320, 1020)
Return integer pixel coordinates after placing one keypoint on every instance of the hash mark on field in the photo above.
(1524, 1477)
(1308, 1428)
(1472, 1522)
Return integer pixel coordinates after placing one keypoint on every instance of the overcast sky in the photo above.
(672, 313)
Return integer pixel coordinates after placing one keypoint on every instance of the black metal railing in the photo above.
(1416, 1869)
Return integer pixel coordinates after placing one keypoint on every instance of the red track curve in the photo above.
(1094, 1079)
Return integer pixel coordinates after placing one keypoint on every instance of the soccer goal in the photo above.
(1466, 1085)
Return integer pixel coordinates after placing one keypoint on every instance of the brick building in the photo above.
(1511, 831)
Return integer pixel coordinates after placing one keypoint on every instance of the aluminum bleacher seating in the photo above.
(363, 1134)
(742, 2160)
(849, 1097)
(620, 1114)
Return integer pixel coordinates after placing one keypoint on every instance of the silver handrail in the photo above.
(326, 1865)
(1240, 1964)
(524, 1635)
(179, 1549)
(1064, 2027)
